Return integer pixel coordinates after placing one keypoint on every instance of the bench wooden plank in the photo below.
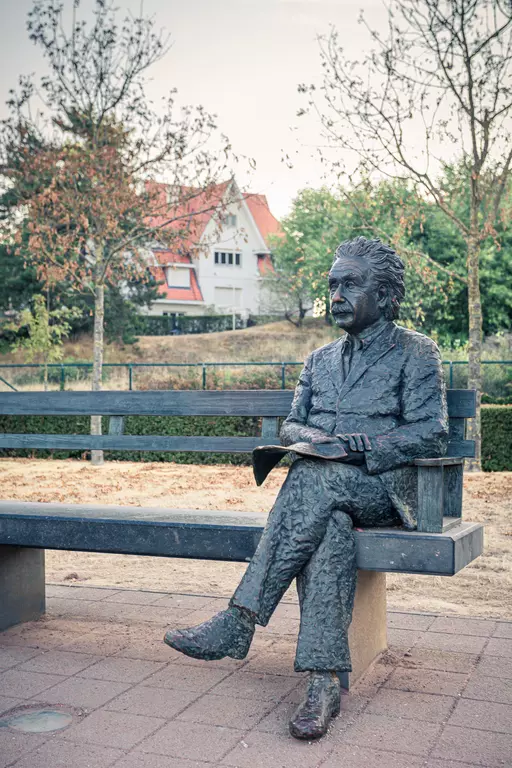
(135, 443)
(149, 403)
(212, 535)
(461, 403)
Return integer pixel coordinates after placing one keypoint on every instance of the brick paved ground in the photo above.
(441, 698)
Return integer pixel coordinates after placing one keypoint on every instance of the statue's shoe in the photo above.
(228, 633)
(311, 719)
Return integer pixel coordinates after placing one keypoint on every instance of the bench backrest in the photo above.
(271, 405)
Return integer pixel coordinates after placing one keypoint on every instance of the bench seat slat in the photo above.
(212, 535)
(134, 443)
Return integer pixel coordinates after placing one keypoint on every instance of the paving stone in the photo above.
(427, 681)
(409, 621)
(190, 603)
(147, 760)
(96, 643)
(152, 650)
(134, 597)
(61, 754)
(475, 747)
(486, 688)
(83, 593)
(12, 655)
(503, 629)
(494, 666)
(416, 706)
(444, 661)
(15, 745)
(122, 670)
(61, 606)
(287, 611)
(192, 741)
(261, 687)
(403, 638)
(272, 664)
(154, 702)
(112, 729)
(22, 685)
(82, 693)
(181, 677)
(372, 680)
(284, 626)
(35, 638)
(351, 756)
(226, 711)
(393, 734)
(8, 702)
(141, 614)
(433, 763)
(59, 662)
(462, 626)
(271, 750)
(450, 642)
(229, 664)
(489, 716)
(499, 647)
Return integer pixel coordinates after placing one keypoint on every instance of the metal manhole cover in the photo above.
(37, 721)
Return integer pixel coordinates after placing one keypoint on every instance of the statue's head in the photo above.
(366, 282)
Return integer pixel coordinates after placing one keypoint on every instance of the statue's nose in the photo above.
(337, 296)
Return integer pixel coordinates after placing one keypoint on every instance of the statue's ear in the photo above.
(382, 296)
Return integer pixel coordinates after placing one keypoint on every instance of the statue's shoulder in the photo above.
(415, 343)
(326, 349)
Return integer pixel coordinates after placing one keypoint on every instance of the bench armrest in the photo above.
(439, 492)
(444, 461)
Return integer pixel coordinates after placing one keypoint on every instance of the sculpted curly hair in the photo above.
(387, 267)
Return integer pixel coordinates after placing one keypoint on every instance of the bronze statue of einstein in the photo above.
(378, 391)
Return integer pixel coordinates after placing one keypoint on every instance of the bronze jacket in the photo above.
(395, 393)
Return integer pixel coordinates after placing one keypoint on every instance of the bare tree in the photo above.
(434, 89)
(82, 149)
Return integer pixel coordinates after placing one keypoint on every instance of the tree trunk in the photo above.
(474, 349)
(99, 312)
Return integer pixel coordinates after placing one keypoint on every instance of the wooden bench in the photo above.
(442, 545)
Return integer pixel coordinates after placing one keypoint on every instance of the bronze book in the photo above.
(266, 457)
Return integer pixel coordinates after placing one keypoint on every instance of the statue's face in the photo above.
(356, 300)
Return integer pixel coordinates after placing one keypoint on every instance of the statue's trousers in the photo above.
(309, 536)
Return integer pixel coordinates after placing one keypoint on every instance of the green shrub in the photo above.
(497, 438)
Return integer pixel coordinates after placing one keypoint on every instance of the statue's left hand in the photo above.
(357, 442)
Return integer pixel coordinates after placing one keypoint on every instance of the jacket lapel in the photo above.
(333, 364)
(380, 347)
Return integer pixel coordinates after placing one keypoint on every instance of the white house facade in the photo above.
(225, 272)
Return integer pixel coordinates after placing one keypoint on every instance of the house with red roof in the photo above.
(221, 264)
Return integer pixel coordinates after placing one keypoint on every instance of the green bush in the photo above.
(497, 438)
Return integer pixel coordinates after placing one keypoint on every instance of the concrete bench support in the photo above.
(22, 579)
(367, 634)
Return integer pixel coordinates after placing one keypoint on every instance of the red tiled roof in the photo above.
(265, 220)
(177, 294)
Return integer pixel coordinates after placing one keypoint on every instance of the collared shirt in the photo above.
(355, 346)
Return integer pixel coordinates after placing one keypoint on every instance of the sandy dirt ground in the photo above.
(482, 589)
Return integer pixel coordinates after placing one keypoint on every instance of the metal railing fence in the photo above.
(62, 373)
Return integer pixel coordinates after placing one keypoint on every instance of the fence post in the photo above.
(283, 376)
(451, 374)
(130, 378)
(62, 378)
(204, 376)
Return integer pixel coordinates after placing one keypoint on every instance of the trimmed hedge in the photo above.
(496, 436)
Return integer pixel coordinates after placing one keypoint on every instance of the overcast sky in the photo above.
(241, 59)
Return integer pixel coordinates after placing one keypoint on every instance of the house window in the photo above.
(177, 277)
(229, 258)
(231, 220)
